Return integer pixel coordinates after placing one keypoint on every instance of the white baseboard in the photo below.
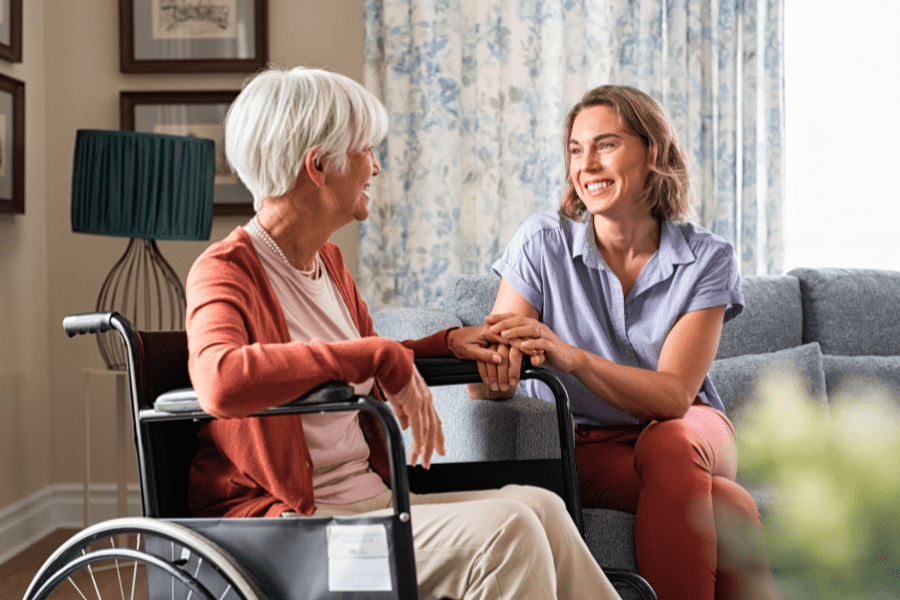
(56, 507)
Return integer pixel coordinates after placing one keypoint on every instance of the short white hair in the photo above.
(281, 115)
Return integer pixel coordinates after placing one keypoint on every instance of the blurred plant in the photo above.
(834, 531)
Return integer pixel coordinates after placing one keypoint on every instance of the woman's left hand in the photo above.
(535, 339)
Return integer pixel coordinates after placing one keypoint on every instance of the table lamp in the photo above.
(146, 187)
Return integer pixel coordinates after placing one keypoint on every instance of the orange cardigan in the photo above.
(242, 361)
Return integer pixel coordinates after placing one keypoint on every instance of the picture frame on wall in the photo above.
(12, 145)
(196, 36)
(197, 113)
(11, 30)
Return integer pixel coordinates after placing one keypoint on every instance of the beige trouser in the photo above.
(515, 543)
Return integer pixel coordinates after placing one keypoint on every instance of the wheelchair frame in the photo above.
(181, 405)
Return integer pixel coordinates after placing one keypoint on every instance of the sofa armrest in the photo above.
(412, 323)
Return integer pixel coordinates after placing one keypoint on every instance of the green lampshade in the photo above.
(143, 185)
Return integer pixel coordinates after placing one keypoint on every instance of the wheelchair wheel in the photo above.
(141, 559)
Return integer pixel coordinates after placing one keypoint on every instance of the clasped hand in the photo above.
(518, 336)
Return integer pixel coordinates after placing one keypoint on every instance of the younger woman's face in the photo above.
(608, 164)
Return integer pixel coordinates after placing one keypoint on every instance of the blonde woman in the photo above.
(627, 300)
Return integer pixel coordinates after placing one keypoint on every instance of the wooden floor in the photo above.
(17, 572)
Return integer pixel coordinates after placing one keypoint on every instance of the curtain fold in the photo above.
(477, 91)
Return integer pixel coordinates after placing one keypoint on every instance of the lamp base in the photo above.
(144, 289)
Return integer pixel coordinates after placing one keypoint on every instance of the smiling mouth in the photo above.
(597, 186)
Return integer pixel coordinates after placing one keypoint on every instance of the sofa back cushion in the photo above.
(471, 297)
(772, 318)
(411, 323)
(851, 312)
(849, 374)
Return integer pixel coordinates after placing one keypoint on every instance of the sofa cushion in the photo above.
(772, 318)
(411, 323)
(610, 536)
(866, 371)
(471, 297)
(520, 428)
(735, 378)
(851, 312)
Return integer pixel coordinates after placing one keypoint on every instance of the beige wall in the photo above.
(73, 82)
(25, 420)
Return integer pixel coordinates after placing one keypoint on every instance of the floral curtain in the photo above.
(477, 91)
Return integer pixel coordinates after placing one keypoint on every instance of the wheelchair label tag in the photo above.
(358, 558)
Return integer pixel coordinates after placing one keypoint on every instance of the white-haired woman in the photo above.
(273, 312)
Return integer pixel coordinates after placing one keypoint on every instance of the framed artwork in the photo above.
(197, 113)
(12, 145)
(11, 30)
(196, 36)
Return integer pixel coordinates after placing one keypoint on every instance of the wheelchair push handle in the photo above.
(97, 322)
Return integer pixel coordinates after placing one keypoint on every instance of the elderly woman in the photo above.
(273, 312)
(627, 300)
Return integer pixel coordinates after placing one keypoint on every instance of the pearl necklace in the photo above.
(276, 249)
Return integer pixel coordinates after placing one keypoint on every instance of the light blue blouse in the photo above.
(554, 263)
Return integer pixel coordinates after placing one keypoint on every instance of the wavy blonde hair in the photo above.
(668, 189)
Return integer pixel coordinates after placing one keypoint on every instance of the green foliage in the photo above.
(834, 532)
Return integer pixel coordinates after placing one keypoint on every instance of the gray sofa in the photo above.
(830, 324)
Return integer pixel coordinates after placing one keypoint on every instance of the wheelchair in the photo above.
(169, 554)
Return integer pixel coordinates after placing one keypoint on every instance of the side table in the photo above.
(122, 428)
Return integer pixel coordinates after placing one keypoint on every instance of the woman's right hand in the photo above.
(415, 410)
(532, 337)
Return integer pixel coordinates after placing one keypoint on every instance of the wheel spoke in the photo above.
(77, 589)
(112, 543)
(90, 570)
(137, 546)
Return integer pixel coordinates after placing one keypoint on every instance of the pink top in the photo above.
(314, 310)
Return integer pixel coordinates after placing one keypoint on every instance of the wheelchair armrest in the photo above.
(435, 371)
(183, 401)
(447, 370)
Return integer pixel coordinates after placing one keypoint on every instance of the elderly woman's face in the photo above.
(608, 164)
(353, 185)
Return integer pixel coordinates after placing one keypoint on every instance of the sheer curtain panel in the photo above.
(477, 91)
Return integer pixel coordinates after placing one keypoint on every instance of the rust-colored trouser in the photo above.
(677, 478)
